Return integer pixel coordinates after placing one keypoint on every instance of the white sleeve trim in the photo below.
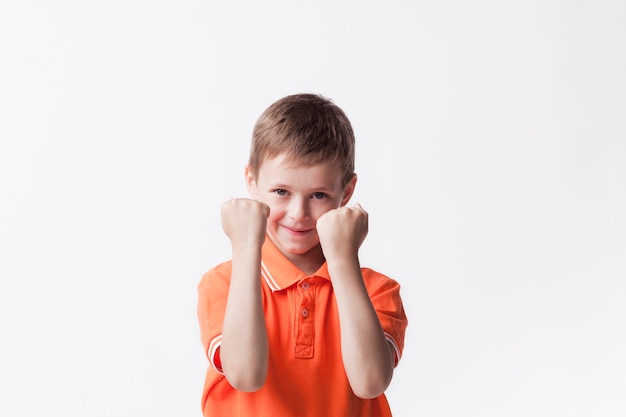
(214, 345)
(396, 349)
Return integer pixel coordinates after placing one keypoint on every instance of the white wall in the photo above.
(491, 155)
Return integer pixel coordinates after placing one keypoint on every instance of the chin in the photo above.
(297, 248)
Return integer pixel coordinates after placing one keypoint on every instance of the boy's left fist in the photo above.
(342, 231)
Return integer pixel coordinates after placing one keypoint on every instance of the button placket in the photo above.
(305, 323)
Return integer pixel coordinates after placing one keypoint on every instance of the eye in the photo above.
(319, 195)
(280, 191)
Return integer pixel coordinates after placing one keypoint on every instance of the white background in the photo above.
(491, 156)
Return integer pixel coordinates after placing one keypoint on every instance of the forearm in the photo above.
(367, 357)
(244, 349)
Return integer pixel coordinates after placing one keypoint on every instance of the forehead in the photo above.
(284, 170)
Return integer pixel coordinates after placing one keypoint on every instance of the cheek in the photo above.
(318, 210)
(272, 219)
(276, 213)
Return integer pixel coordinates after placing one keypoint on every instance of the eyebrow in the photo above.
(312, 189)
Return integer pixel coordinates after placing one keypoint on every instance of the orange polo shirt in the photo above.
(306, 376)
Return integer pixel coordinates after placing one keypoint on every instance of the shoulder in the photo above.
(385, 295)
(219, 273)
(380, 285)
(220, 269)
(375, 278)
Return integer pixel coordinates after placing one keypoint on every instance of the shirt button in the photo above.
(305, 286)
(305, 312)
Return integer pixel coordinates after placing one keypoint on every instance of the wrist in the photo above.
(248, 249)
(248, 243)
(341, 255)
(348, 262)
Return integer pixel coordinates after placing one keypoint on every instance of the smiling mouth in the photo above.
(297, 231)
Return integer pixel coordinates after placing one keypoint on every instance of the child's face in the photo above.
(297, 196)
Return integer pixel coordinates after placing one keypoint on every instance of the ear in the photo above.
(251, 182)
(348, 190)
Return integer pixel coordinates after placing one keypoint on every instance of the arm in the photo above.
(368, 357)
(244, 349)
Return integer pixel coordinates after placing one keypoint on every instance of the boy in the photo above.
(292, 325)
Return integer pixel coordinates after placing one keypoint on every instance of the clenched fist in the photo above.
(244, 221)
(342, 231)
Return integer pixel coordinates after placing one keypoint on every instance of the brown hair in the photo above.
(308, 129)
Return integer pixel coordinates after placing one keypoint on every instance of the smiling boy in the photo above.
(292, 325)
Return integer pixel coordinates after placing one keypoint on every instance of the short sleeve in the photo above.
(212, 297)
(385, 295)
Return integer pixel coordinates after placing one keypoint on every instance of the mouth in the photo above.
(297, 231)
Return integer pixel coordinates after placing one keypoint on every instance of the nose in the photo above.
(298, 209)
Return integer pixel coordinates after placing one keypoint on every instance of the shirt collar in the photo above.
(279, 272)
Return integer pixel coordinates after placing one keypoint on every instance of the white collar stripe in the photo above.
(268, 278)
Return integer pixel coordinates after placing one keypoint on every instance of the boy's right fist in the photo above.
(244, 221)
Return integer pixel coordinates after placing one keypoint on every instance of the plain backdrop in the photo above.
(491, 154)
